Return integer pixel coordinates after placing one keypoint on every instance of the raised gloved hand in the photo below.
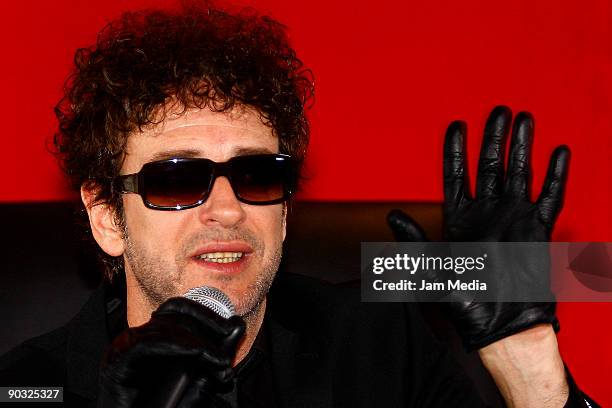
(501, 210)
(182, 336)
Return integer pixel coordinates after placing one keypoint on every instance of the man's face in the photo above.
(168, 252)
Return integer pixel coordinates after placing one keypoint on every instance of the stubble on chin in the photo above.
(159, 279)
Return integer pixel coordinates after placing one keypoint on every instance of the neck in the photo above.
(254, 321)
(138, 308)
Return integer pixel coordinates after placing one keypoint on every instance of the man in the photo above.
(184, 132)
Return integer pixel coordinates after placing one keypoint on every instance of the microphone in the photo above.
(213, 299)
(170, 395)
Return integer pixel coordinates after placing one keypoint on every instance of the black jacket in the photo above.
(327, 350)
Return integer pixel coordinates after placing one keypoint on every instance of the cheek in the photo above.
(135, 214)
(146, 226)
(269, 221)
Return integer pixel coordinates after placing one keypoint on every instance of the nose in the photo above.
(222, 208)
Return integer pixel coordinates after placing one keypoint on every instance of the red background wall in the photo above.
(390, 75)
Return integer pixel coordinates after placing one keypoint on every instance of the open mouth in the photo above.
(226, 257)
(222, 257)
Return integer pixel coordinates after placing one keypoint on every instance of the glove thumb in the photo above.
(404, 228)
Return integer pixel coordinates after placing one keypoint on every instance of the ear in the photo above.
(107, 233)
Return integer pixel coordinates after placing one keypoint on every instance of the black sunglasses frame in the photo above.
(136, 182)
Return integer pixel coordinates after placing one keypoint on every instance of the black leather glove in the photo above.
(501, 210)
(181, 337)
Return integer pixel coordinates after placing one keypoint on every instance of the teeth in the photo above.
(221, 257)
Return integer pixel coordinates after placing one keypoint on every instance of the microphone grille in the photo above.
(213, 299)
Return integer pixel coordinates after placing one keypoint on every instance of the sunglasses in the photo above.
(182, 183)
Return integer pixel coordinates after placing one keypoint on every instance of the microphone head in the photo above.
(213, 299)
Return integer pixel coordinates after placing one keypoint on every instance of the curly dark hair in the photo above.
(148, 63)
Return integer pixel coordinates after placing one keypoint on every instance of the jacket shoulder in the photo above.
(302, 293)
(37, 361)
(306, 302)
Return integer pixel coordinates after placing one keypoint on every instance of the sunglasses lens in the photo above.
(262, 179)
(176, 183)
(258, 179)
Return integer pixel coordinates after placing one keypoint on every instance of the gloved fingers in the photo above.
(144, 354)
(200, 318)
(197, 394)
(519, 163)
(160, 330)
(404, 228)
(231, 341)
(171, 349)
(550, 200)
(456, 186)
(489, 180)
(221, 376)
(214, 359)
(142, 367)
(160, 338)
(204, 388)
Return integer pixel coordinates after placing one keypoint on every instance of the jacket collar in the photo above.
(297, 352)
(87, 340)
(89, 335)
